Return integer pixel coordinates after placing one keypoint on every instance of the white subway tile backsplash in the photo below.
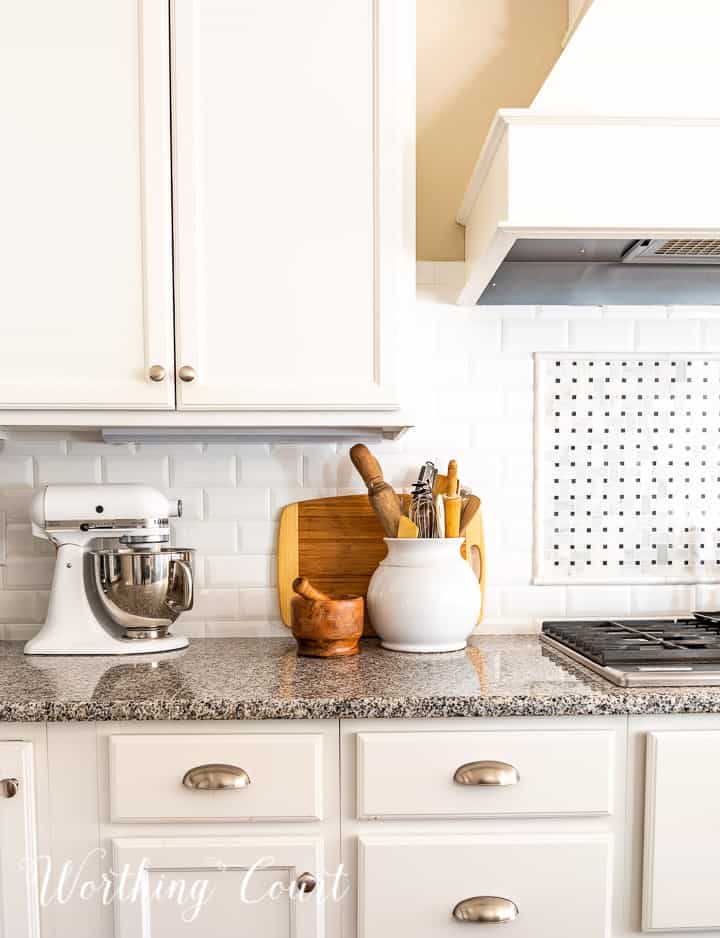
(570, 312)
(203, 470)
(636, 312)
(29, 573)
(258, 537)
(322, 467)
(210, 537)
(15, 504)
(584, 601)
(533, 602)
(507, 312)
(214, 604)
(537, 336)
(660, 600)
(241, 504)
(67, 470)
(239, 570)
(282, 466)
(710, 336)
(471, 394)
(695, 312)
(137, 469)
(602, 335)
(672, 335)
(259, 604)
(19, 606)
(16, 473)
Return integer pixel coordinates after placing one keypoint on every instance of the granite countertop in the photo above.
(262, 678)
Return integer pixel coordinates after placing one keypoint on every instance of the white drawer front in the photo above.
(285, 773)
(560, 885)
(411, 774)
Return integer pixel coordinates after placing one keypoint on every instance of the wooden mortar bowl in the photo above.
(327, 628)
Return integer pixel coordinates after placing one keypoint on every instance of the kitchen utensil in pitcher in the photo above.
(422, 507)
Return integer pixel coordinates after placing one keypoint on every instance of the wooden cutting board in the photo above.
(337, 543)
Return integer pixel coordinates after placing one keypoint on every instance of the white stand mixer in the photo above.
(117, 600)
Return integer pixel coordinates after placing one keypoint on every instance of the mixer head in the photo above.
(78, 514)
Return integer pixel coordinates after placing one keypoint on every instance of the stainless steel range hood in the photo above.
(609, 271)
(605, 190)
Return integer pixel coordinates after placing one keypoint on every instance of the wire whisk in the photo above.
(422, 507)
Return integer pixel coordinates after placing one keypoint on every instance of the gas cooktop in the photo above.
(642, 652)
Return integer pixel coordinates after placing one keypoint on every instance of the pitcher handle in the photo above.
(187, 587)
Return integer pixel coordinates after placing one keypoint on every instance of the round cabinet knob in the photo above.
(187, 373)
(305, 883)
(157, 373)
(9, 787)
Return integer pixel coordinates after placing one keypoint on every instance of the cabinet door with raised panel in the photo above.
(226, 887)
(293, 129)
(682, 821)
(85, 238)
(19, 907)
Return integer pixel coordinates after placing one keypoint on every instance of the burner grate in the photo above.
(641, 641)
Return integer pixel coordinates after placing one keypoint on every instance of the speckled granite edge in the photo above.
(610, 704)
(264, 679)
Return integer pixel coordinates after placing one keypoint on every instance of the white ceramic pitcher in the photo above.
(424, 597)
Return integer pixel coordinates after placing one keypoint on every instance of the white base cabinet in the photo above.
(19, 900)
(135, 838)
(681, 868)
(222, 887)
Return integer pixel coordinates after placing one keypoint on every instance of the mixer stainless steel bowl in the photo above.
(144, 591)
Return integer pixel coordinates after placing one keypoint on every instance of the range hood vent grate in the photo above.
(674, 251)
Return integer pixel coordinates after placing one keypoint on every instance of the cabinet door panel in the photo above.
(19, 907)
(682, 820)
(202, 886)
(558, 883)
(85, 240)
(283, 297)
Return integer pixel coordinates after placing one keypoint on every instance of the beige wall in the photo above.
(473, 56)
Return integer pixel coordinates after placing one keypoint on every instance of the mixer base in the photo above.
(105, 645)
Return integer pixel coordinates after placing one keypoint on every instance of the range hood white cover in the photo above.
(622, 140)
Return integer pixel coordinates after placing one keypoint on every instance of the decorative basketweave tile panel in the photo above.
(627, 468)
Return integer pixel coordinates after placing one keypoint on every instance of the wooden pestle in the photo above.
(383, 498)
(303, 587)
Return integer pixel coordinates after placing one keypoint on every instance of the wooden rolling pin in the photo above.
(383, 497)
(452, 501)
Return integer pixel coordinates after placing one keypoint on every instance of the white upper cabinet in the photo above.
(85, 239)
(293, 201)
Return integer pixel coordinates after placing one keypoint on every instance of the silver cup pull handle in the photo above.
(216, 776)
(187, 586)
(486, 772)
(485, 910)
